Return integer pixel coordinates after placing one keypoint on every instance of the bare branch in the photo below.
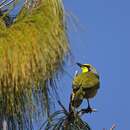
(113, 127)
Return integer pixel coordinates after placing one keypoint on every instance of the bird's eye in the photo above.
(88, 66)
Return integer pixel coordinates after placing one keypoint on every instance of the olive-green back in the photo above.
(86, 80)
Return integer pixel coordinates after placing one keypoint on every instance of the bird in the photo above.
(84, 86)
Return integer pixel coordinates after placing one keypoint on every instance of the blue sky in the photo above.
(102, 39)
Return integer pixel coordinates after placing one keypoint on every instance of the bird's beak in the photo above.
(79, 64)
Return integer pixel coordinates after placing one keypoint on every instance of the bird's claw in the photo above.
(88, 110)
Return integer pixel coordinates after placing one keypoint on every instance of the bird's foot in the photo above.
(88, 110)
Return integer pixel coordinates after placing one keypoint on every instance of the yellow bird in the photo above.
(84, 85)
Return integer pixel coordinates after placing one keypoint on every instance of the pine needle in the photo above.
(32, 51)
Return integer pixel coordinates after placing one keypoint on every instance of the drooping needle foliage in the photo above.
(32, 50)
(64, 120)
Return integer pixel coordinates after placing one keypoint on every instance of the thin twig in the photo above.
(65, 111)
(85, 111)
(9, 2)
(2, 2)
(113, 127)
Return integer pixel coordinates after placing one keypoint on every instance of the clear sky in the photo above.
(102, 39)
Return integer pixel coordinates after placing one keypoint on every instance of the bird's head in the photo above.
(87, 68)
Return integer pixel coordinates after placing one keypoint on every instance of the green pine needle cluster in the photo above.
(32, 50)
(63, 120)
